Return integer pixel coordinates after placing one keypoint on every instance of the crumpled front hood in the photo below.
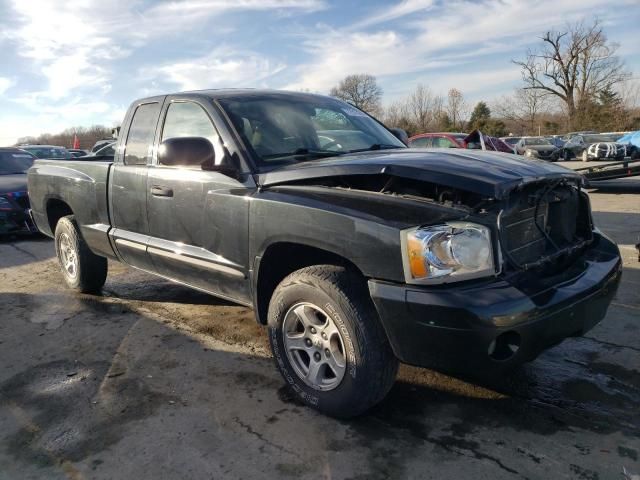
(492, 174)
(13, 183)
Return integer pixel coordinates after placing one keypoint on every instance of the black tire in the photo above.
(566, 155)
(89, 270)
(371, 366)
(585, 156)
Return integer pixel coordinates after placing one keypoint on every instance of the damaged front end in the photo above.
(544, 225)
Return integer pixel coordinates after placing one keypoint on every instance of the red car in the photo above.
(438, 140)
(475, 140)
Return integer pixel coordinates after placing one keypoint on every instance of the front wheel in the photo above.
(328, 342)
(82, 269)
(585, 156)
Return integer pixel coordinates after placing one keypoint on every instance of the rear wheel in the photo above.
(327, 341)
(82, 269)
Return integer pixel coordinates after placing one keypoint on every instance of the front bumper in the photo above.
(500, 323)
(16, 222)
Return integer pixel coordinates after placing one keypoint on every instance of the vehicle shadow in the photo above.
(144, 287)
(628, 185)
(114, 378)
(622, 227)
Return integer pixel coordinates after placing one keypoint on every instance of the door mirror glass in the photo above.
(187, 152)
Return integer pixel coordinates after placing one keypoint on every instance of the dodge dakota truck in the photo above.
(356, 252)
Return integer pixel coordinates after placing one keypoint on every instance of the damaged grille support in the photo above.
(539, 227)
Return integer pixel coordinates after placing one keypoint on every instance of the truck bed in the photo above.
(56, 185)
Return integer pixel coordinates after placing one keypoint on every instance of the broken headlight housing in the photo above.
(447, 253)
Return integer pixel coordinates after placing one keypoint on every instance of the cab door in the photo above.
(198, 220)
(128, 184)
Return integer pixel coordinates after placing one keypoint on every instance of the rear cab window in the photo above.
(138, 149)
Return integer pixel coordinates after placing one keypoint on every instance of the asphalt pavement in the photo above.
(151, 380)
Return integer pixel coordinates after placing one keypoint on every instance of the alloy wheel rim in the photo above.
(68, 256)
(314, 346)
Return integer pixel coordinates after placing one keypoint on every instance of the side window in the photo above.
(443, 142)
(420, 142)
(141, 132)
(187, 119)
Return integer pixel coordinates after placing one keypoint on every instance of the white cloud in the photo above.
(402, 9)
(433, 36)
(223, 67)
(72, 42)
(5, 84)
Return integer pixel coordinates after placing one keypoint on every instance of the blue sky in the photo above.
(81, 62)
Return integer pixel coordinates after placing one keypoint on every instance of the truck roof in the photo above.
(233, 92)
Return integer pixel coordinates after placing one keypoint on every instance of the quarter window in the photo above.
(141, 133)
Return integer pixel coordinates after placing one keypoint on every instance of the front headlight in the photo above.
(5, 204)
(447, 253)
(529, 153)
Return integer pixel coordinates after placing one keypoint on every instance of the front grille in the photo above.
(541, 224)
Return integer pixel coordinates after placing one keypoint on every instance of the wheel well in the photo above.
(56, 209)
(281, 259)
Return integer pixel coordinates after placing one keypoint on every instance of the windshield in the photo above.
(15, 162)
(293, 128)
(511, 140)
(536, 141)
(48, 152)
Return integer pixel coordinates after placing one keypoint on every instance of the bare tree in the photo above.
(524, 108)
(456, 108)
(575, 65)
(424, 108)
(361, 90)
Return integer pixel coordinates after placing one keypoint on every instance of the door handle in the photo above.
(160, 191)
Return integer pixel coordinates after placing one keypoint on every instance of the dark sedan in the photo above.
(49, 152)
(594, 147)
(537, 147)
(14, 201)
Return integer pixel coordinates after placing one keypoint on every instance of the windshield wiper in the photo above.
(375, 146)
(304, 152)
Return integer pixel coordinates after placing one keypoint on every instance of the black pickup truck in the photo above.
(354, 250)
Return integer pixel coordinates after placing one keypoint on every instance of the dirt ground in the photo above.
(152, 380)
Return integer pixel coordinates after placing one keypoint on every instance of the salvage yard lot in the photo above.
(152, 380)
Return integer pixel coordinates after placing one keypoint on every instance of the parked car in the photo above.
(355, 259)
(632, 141)
(101, 144)
(511, 141)
(537, 147)
(594, 147)
(51, 152)
(438, 140)
(556, 140)
(76, 152)
(14, 201)
(570, 135)
(475, 140)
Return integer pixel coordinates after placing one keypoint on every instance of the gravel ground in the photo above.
(151, 380)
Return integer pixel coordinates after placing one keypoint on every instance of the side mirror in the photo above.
(186, 152)
(400, 134)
